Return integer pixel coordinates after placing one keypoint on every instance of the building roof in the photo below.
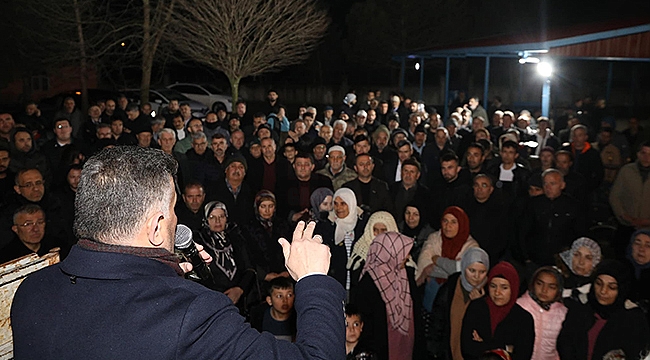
(625, 40)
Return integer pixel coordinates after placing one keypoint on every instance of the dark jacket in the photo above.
(339, 258)
(550, 226)
(264, 250)
(516, 329)
(624, 329)
(440, 318)
(130, 307)
(375, 322)
(240, 209)
(588, 163)
(380, 198)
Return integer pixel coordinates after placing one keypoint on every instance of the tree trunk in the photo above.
(83, 68)
(147, 56)
(234, 89)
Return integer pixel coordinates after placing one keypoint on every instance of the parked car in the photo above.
(209, 95)
(159, 99)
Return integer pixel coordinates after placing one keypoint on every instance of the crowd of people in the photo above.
(484, 234)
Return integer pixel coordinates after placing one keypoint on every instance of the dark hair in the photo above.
(22, 171)
(644, 144)
(219, 136)
(353, 310)
(192, 184)
(119, 188)
(477, 146)
(27, 209)
(509, 144)
(449, 156)
(132, 107)
(360, 138)
(303, 155)
(412, 161)
(259, 114)
(60, 119)
(280, 283)
(565, 152)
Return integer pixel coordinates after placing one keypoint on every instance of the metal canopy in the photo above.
(605, 42)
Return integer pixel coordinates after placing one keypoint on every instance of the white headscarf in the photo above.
(349, 222)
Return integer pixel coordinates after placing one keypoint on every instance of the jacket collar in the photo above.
(111, 266)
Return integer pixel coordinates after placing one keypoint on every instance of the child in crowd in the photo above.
(353, 330)
(277, 316)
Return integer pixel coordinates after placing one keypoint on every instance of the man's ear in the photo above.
(154, 229)
(17, 189)
(15, 229)
(268, 300)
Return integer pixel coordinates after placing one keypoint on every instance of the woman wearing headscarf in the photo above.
(412, 225)
(496, 321)
(262, 234)
(452, 301)
(378, 223)
(580, 262)
(232, 271)
(441, 253)
(342, 229)
(543, 301)
(321, 204)
(608, 324)
(638, 254)
(389, 294)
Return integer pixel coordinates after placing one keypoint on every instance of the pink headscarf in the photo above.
(385, 256)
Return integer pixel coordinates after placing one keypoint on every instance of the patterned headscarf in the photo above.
(385, 257)
(638, 268)
(360, 250)
(594, 248)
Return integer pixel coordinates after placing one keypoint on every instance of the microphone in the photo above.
(183, 242)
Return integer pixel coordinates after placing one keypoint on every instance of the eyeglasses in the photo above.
(62, 126)
(30, 185)
(28, 224)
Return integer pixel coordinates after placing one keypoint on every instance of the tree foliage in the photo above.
(244, 38)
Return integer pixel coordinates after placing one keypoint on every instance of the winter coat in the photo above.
(547, 326)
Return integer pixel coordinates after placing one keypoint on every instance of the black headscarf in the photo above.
(623, 275)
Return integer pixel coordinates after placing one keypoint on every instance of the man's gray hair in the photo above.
(199, 135)
(168, 131)
(341, 122)
(27, 209)
(119, 188)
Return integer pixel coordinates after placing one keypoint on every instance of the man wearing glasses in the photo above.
(29, 229)
(30, 190)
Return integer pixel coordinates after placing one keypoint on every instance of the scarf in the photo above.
(594, 248)
(316, 198)
(451, 246)
(497, 313)
(471, 256)
(416, 230)
(531, 287)
(638, 268)
(347, 223)
(158, 254)
(623, 276)
(385, 257)
(218, 243)
(360, 250)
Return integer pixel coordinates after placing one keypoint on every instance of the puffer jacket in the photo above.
(547, 326)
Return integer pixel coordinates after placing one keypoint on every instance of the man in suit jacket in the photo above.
(121, 294)
(372, 193)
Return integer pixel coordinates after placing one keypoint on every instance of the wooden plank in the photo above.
(12, 275)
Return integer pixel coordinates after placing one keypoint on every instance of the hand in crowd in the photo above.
(476, 293)
(299, 215)
(187, 267)
(306, 254)
(272, 275)
(234, 293)
(476, 337)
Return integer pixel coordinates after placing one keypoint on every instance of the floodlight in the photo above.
(545, 69)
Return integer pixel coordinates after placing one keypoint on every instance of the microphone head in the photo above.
(183, 238)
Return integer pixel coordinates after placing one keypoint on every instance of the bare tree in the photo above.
(245, 38)
(71, 32)
(156, 19)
